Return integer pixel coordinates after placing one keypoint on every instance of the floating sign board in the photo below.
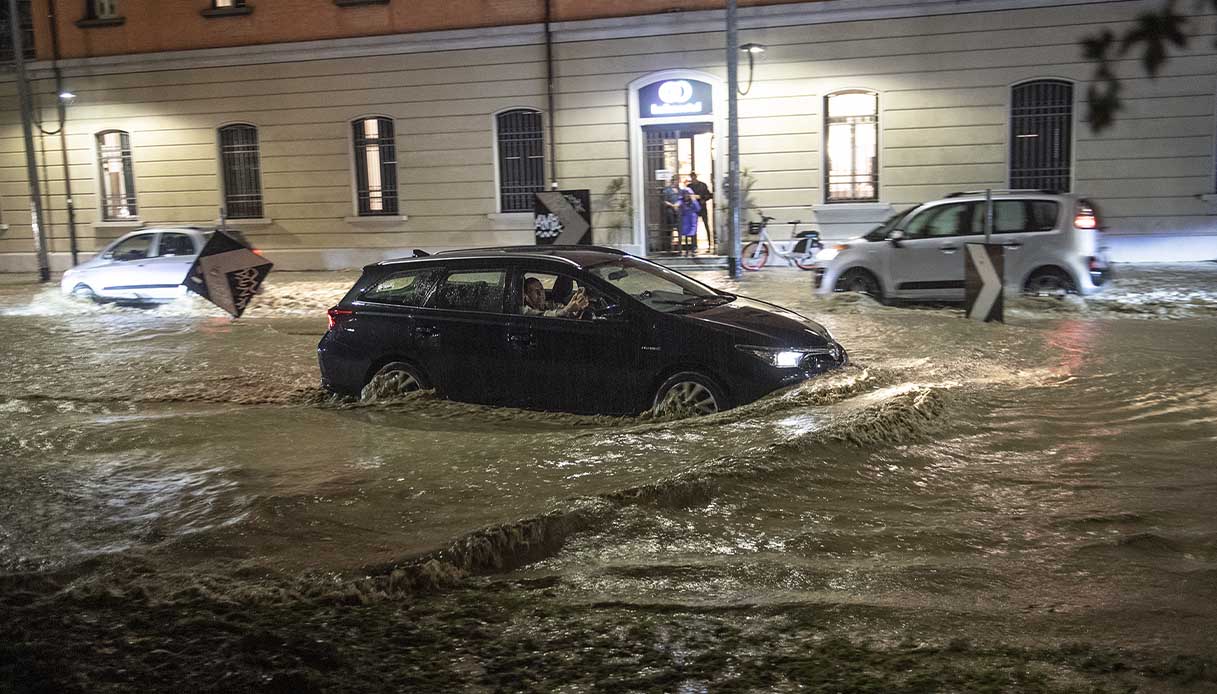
(227, 273)
(563, 217)
(984, 269)
(679, 97)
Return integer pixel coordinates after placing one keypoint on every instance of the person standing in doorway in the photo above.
(689, 209)
(670, 211)
(704, 196)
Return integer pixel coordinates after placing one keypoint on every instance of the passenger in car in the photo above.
(536, 305)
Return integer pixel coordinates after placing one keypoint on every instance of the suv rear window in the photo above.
(406, 288)
(471, 290)
(1018, 216)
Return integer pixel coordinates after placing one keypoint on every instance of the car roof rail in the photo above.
(540, 249)
(1004, 191)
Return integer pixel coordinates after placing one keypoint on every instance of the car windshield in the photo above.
(880, 232)
(658, 287)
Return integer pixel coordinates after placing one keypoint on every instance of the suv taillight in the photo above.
(1086, 218)
(337, 315)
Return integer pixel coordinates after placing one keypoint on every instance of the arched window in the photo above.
(521, 158)
(1041, 135)
(375, 166)
(241, 171)
(851, 151)
(117, 175)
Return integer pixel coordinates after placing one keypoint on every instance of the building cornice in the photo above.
(664, 24)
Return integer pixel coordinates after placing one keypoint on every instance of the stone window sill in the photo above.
(1210, 198)
(248, 222)
(3, 227)
(95, 22)
(227, 11)
(357, 3)
(377, 219)
(117, 224)
(524, 218)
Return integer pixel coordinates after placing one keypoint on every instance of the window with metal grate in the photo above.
(521, 158)
(375, 166)
(242, 172)
(1041, 135)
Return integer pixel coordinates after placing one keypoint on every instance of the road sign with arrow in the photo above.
(227, 273)
(984, 267)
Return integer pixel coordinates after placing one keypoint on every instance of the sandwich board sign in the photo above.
(984, 267)
(563, 217)
(227, 273)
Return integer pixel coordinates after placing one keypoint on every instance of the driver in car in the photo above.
(536, 305)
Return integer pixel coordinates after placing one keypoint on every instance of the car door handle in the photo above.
(949, 249)
(1013, 246)
(426, 331)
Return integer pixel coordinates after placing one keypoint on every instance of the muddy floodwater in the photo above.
(1018, 507)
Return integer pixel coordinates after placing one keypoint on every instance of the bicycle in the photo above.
(756, 253)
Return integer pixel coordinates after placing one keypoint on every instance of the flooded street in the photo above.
(1024, 507)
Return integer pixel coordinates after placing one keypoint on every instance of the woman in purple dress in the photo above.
(689, 207)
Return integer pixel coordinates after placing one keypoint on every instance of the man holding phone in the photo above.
(536, 305)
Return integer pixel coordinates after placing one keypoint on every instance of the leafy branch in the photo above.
(1154, 35)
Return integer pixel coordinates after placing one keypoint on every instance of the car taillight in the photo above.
(337, 315)
(257, 251)
(1086, 218)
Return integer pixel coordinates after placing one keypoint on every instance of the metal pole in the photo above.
(31, 163)
(988, 215)
(549, 90)
(63, 138)
(733, 191)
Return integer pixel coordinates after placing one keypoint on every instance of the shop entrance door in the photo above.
(676, 149)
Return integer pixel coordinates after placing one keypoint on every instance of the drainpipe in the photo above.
(733, 191)
(549, 90)
(31, 164)
(63, 138)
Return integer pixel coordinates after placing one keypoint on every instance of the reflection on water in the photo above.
(1062, 461)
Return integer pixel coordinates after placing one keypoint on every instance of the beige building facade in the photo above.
(909, 100)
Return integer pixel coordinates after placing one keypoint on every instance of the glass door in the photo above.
(677, 149)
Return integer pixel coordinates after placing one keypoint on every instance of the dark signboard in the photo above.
(227, 273)
(679, 97)
(563, 217)
(984, 271)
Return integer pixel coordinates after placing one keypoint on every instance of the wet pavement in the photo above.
(968, 507)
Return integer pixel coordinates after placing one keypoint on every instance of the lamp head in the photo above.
(752, 48)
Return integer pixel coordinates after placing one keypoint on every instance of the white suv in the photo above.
(1051, 246)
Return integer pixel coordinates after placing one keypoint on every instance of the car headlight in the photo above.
(827, 254)
(783, 358)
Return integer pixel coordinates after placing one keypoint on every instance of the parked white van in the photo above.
(1052, 246)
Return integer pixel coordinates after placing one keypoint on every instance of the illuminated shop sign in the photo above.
(675, 98)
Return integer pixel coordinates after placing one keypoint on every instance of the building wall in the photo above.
(944, 83)
(150, 27)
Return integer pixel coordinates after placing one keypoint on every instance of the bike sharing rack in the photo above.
(984, 272)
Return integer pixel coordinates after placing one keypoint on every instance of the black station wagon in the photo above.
(616, 334)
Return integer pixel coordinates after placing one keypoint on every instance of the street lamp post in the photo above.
(31, 163)
(733, 191)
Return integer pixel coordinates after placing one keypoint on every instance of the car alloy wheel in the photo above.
(688, 393)
(860, 281)
(1049, 283)
(394, 379)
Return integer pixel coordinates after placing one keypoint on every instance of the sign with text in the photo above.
(679, 97)
(227, 273)
(563, 217)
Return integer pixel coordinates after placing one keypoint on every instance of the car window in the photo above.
(470, 290)
(558, 291)
(940, 221)
(176, 245)
(1018, 216)
(405, 288)
(134, 248)
(658, 287)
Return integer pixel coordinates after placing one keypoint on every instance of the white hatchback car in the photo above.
(1051, 246)
(144, 266)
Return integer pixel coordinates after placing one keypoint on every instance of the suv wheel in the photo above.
(861, 281)
(1049, 281)
(394, 379)
(689, 392)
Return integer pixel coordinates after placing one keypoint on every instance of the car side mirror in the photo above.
(107, 255)
(895, 236)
